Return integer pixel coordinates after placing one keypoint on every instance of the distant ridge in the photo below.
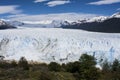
(4, 25)
(101, 24)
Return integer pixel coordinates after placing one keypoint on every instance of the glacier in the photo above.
(56, 44)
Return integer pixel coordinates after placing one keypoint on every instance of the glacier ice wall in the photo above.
(58, 45)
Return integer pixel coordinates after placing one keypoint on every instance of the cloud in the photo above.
(39, 1)
(103, 2)
(52, 3)
(16, 15)
(12, 9)
(57, 2)
(50, 17)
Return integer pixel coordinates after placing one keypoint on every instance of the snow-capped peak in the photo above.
(116, 15)
(97, 19)
(5, 25)
(2, 22)
(38, 22)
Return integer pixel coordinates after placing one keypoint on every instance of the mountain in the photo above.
(38, 24)
(5, 25)
(97, 19)
(98, 24)
(111, 25)
(116, 15)
(14, 23)
(55, 44)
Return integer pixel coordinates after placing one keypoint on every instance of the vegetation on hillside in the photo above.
(83, 69)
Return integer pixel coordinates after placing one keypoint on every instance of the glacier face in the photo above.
(60, 45)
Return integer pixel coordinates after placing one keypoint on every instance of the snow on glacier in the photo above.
(60, 45)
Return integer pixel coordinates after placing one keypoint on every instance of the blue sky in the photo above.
(38, 7)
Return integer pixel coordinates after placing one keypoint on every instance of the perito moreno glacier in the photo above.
(60, 45)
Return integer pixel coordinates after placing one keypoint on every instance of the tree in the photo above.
(88, 71)
(73, 67)
(23, 63)
(116, 70)
(13, 63)
(53, 66)
(115, 65)
(106, 66)
(88, 60)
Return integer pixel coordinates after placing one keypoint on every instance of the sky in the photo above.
(15, 9)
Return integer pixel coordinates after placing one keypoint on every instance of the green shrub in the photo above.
(14, 63)
(87, 70)
(23, 63)
(40, 75)
(53, 66)
(72, 67)
(5, 64)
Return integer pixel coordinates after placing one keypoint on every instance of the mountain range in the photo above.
(108, 24)
(99, 24)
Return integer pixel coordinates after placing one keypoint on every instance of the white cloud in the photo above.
(16, 15)
(58, 16)
(103, 2)
(57, 2)
(12, 9)
(39, 1)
